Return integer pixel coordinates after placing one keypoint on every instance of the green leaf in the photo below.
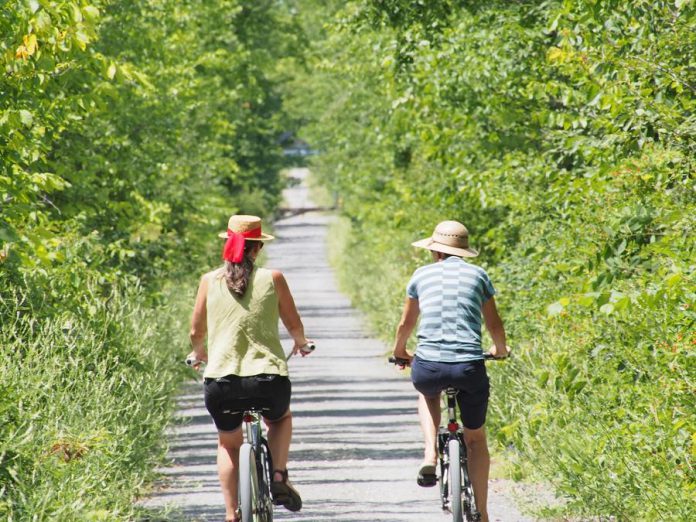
(111, 71)
(42, 22)
(607, 308)
(81, 39)
(26, 117)
(91, 13)
(76, 13)
(587, 300)
(673, 280)
(554, 309)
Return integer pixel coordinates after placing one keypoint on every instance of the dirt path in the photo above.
(356, 444)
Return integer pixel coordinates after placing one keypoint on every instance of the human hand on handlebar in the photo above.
(500, 353)
(303, 349)
(194, 361)
(401, 358)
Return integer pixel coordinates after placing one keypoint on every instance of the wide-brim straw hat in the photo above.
(449, 237)
(246, 225)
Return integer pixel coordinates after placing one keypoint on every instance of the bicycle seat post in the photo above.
(248, 418)
(452, 425)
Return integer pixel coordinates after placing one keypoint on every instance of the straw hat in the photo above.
(449, 237)
(243, 224)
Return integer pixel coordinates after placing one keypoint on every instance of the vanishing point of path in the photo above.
(356, 442)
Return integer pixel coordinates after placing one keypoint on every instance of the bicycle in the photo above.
(255, 461)
(456, 490)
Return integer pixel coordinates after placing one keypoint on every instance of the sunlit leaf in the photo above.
(26, 117)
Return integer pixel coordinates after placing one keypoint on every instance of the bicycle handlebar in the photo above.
(405, 362)
(190, 361)
(305, 349)
(308, 348)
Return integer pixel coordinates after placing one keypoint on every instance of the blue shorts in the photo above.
(430, 378)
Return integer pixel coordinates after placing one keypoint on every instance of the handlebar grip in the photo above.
(488, 357)
(190, 361)
(308, 348)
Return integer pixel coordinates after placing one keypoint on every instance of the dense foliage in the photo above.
(129, 131)
(563, 135)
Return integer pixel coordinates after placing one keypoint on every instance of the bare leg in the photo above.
(228, 464)
(479, 465)
(429, 415)
(279, 435)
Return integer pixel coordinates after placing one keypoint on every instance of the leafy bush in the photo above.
(562, 135)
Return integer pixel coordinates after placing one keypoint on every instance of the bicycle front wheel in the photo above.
(454, 454)
(249, 495)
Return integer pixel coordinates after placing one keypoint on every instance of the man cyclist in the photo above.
(451, 296)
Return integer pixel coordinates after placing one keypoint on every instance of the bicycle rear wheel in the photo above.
(470, 511)
(249, 494)
(455, 479)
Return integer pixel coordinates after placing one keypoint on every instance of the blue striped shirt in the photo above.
(450, 295)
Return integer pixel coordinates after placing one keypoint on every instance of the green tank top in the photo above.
(243, 332)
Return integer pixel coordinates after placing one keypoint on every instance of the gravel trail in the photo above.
(356, 442)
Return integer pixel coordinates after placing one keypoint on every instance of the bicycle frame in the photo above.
(254, 432)
(255, 477)
(457, 497)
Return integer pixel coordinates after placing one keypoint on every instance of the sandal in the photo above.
(237, 517)
(426, 476)
(284, 494)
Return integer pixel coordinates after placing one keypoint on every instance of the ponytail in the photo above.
(237, 274)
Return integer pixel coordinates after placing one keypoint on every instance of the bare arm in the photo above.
(494, 325)
(199, 325)
(288, 312)
(408, 321)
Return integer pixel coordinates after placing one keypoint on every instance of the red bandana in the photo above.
(234, 246)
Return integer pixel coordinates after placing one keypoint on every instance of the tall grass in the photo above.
(84, 399)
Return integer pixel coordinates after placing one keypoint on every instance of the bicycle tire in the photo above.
(470, 511)
(248, 484)
(264, 465)
(455, 479)
(444, 484)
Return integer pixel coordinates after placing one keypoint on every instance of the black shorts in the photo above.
(470, 378)
(228, 397)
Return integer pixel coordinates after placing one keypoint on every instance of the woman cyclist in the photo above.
(451, 295)
(237, 307)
